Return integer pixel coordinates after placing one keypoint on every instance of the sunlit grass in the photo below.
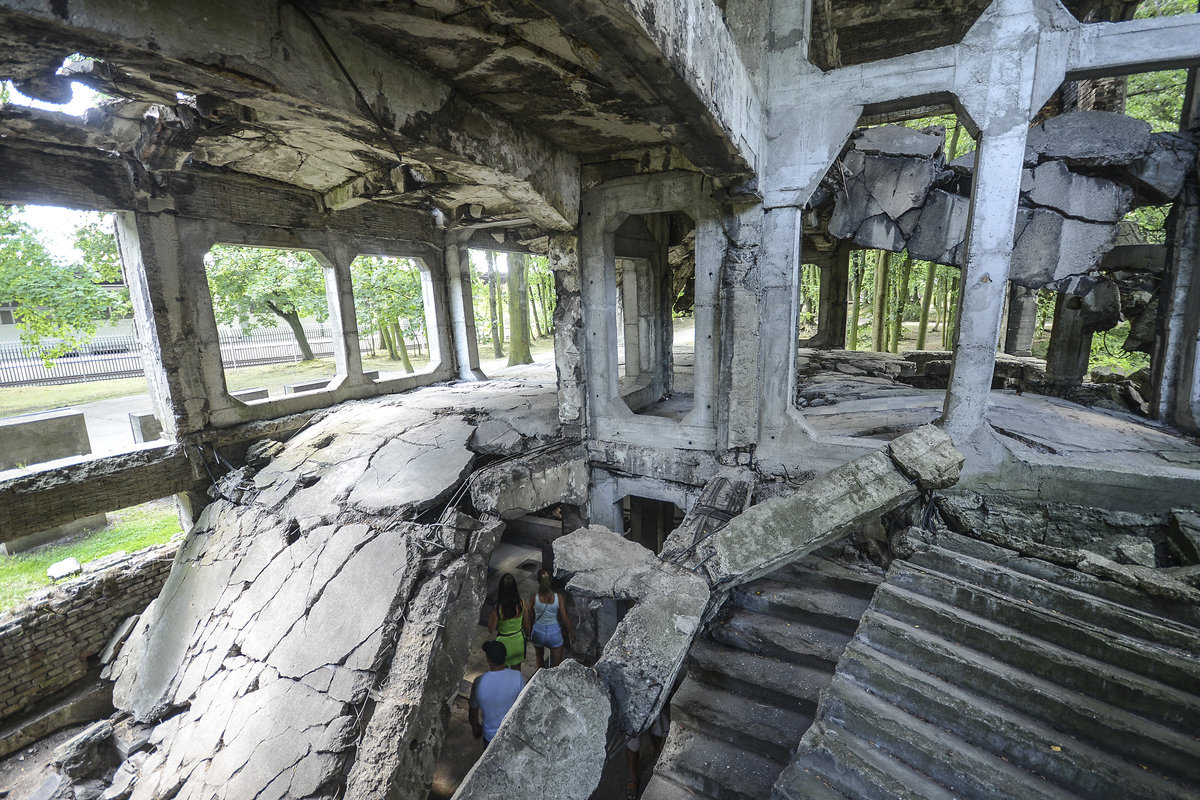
(130, 529)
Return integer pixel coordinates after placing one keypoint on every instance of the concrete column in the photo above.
(604, 505)
(1022, 320)
(1176, 364)
(563, 254)
(339, 294)
(777, 320)
(629, 311)
(985, 278)
(1070, 345)
(739, 398)
(835, 293)
(172, 311)
(462, 308)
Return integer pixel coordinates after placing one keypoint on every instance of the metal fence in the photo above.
(108, 357)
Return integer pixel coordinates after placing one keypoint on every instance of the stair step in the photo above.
(856, 768)
(1076, 715)
(1114, 685)
(854, 579)
(1021, 741)
(802, 783)
(830, 609)
(762, 678)
(788, 641)
(1185, 614)
(716, 768)
(733, 718)
(661, 787)
(1057, 614)
(965, 770)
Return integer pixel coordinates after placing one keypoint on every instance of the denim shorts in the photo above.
(547, 635)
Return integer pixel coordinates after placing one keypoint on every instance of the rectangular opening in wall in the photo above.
(72, 381)
(393, 302)
(655, 275)
(512, 335)
(649, 521)
(272, 314)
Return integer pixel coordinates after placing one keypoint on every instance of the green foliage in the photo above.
(388, 290)
(252, 286)
(130, 530)
(62, 302)
(1107, 351)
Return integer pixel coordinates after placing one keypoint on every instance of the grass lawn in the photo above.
(129, 529)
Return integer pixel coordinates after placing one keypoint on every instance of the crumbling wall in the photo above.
(48, 643)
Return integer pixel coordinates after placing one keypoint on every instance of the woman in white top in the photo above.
(543, 614)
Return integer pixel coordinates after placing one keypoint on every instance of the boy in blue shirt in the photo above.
(493, 693)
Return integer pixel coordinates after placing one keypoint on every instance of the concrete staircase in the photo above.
(980, 674)
(754, 678)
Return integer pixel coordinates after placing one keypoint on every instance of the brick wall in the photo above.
(46, 643)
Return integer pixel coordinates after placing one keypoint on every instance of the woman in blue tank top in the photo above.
(545, 620)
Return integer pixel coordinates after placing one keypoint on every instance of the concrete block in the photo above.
(32, 540)
(1097, 199)
(941, 228)
(305, 386)
(1160, 175)
(36, 438)
(897, 140)
(247, 395)
(551, 744)
(927, 456)
(600, 563)
(1049, 247)
(146, 427)
(1092, 139)
(1183, 536)
(64, 569)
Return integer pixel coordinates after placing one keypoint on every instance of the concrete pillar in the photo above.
(1176, 365)
(1070, 345)
(563, 254)
(462, 308)
(1022, 320)
(339, 294)
(994, 198)
(738, 403)
(778, 310)
(172, 311)
(835, 293)
(604, 505)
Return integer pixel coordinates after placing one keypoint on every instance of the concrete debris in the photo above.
(517, 487)
(927, 457)
(64, 569)
(1050, 247)
(1052, 185)
(551, 746)
(941, 229)
(899, 140)
(1183, 536)
(600, 563)
(87, 754)
(1160, 176)
(1091, 139)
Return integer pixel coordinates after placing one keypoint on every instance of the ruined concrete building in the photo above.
(1036, 632)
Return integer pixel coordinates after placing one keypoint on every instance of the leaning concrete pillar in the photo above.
(462, 308)
(997, 188)
(1176, 365)
(339, 295)
(172, 311)
(1070, 344)
(1022, 320)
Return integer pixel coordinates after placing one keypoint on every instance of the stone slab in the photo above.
(36, 438)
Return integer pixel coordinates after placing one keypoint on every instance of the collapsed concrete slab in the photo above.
(551, 746)
(783, 529)
(522, 486)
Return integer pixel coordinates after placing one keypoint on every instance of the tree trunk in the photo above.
(852, 337)
(518, 312)
(901, 302)
(497, 332)
(401, 346)
(533, 313)
(948, 314)
(389, 342)
(879, 329)
(926, 301)
(293, 320)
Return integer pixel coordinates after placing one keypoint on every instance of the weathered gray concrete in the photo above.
(34, 438)
(551, 744)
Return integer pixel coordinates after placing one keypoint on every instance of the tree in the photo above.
(253, 285)
(59, 302)
(497, 335)
(518, 312)
(388, 298)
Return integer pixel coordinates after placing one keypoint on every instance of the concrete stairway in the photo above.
(754, 678)
(980, 674)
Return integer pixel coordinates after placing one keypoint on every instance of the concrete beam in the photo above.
(1140, 45)
(56, 496)
(679, 57)
(284, 69)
